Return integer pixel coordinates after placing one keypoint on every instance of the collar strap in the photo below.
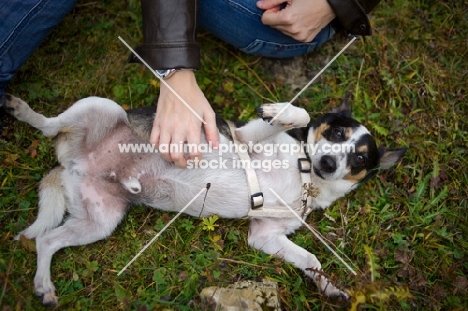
(303, 163)
(305, 168)
(256, 196)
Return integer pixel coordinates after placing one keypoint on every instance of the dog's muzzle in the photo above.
(328, 164)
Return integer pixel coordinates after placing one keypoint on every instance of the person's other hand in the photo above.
(176, 124)
(299, 19)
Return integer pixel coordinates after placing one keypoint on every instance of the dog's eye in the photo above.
(338, 132)
(361, 159)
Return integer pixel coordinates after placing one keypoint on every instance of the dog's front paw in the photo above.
(340, 299)
(49, 300)
(15, 106)
(45, 290)
(331, 292)
(284, 114)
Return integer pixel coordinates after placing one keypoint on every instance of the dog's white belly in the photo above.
(160, 184)
(174, 188)
(228, 194)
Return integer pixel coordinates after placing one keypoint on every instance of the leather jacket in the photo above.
(169, 29)
(351, 15)
(169, 37)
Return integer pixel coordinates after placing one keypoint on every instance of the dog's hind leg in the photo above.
(21, 111)
(87, 225)
(52, 205)
(94, 114)
(269, 236)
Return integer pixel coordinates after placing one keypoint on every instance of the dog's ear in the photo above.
(390, 157)
(343, 107)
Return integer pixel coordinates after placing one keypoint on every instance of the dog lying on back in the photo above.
(96, 182)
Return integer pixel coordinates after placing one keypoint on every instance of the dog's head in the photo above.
(341, 148)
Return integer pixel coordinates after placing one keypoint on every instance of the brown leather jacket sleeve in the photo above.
(169, 34)
(351, 15)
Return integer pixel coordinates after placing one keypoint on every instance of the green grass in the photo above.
(405, 230)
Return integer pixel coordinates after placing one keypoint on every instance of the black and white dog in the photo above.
(96, 182)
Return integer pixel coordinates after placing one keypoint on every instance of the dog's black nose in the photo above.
(327, 164)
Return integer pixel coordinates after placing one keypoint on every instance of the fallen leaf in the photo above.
(121, 293)
(183, 276)
(443, 174)
(403, 256)
(435, 182)
(383, 179)
(417, 278)
(32, 150)
(166, 218)
(29, 245)
(10, 159)
(461, 283)
(439, 292)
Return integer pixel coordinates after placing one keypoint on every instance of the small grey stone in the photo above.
(241, 296)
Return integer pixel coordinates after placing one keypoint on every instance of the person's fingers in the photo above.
(274, 18)
(176, 152)
(164, 145)
(160, 141)
(211, 130)
(270, 4)
(154, 137)
(300, 19)
(193, 145)
(284, 22)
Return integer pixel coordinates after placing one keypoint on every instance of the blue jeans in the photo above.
(25, 23)
(239, 22)
(23, 26)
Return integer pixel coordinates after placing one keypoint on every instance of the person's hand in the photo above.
(299, 19)
(176, 124)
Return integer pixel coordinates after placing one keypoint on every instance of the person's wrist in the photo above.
(183, 82)
(167, 73)
(182, 78)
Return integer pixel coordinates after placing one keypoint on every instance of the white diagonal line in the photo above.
(323, 69)
(313, 79)
(315, 232)
(162, 80)
(160, 232)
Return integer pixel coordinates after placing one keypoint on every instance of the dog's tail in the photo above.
(52, 205)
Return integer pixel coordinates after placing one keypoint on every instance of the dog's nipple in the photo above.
(132, 185)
